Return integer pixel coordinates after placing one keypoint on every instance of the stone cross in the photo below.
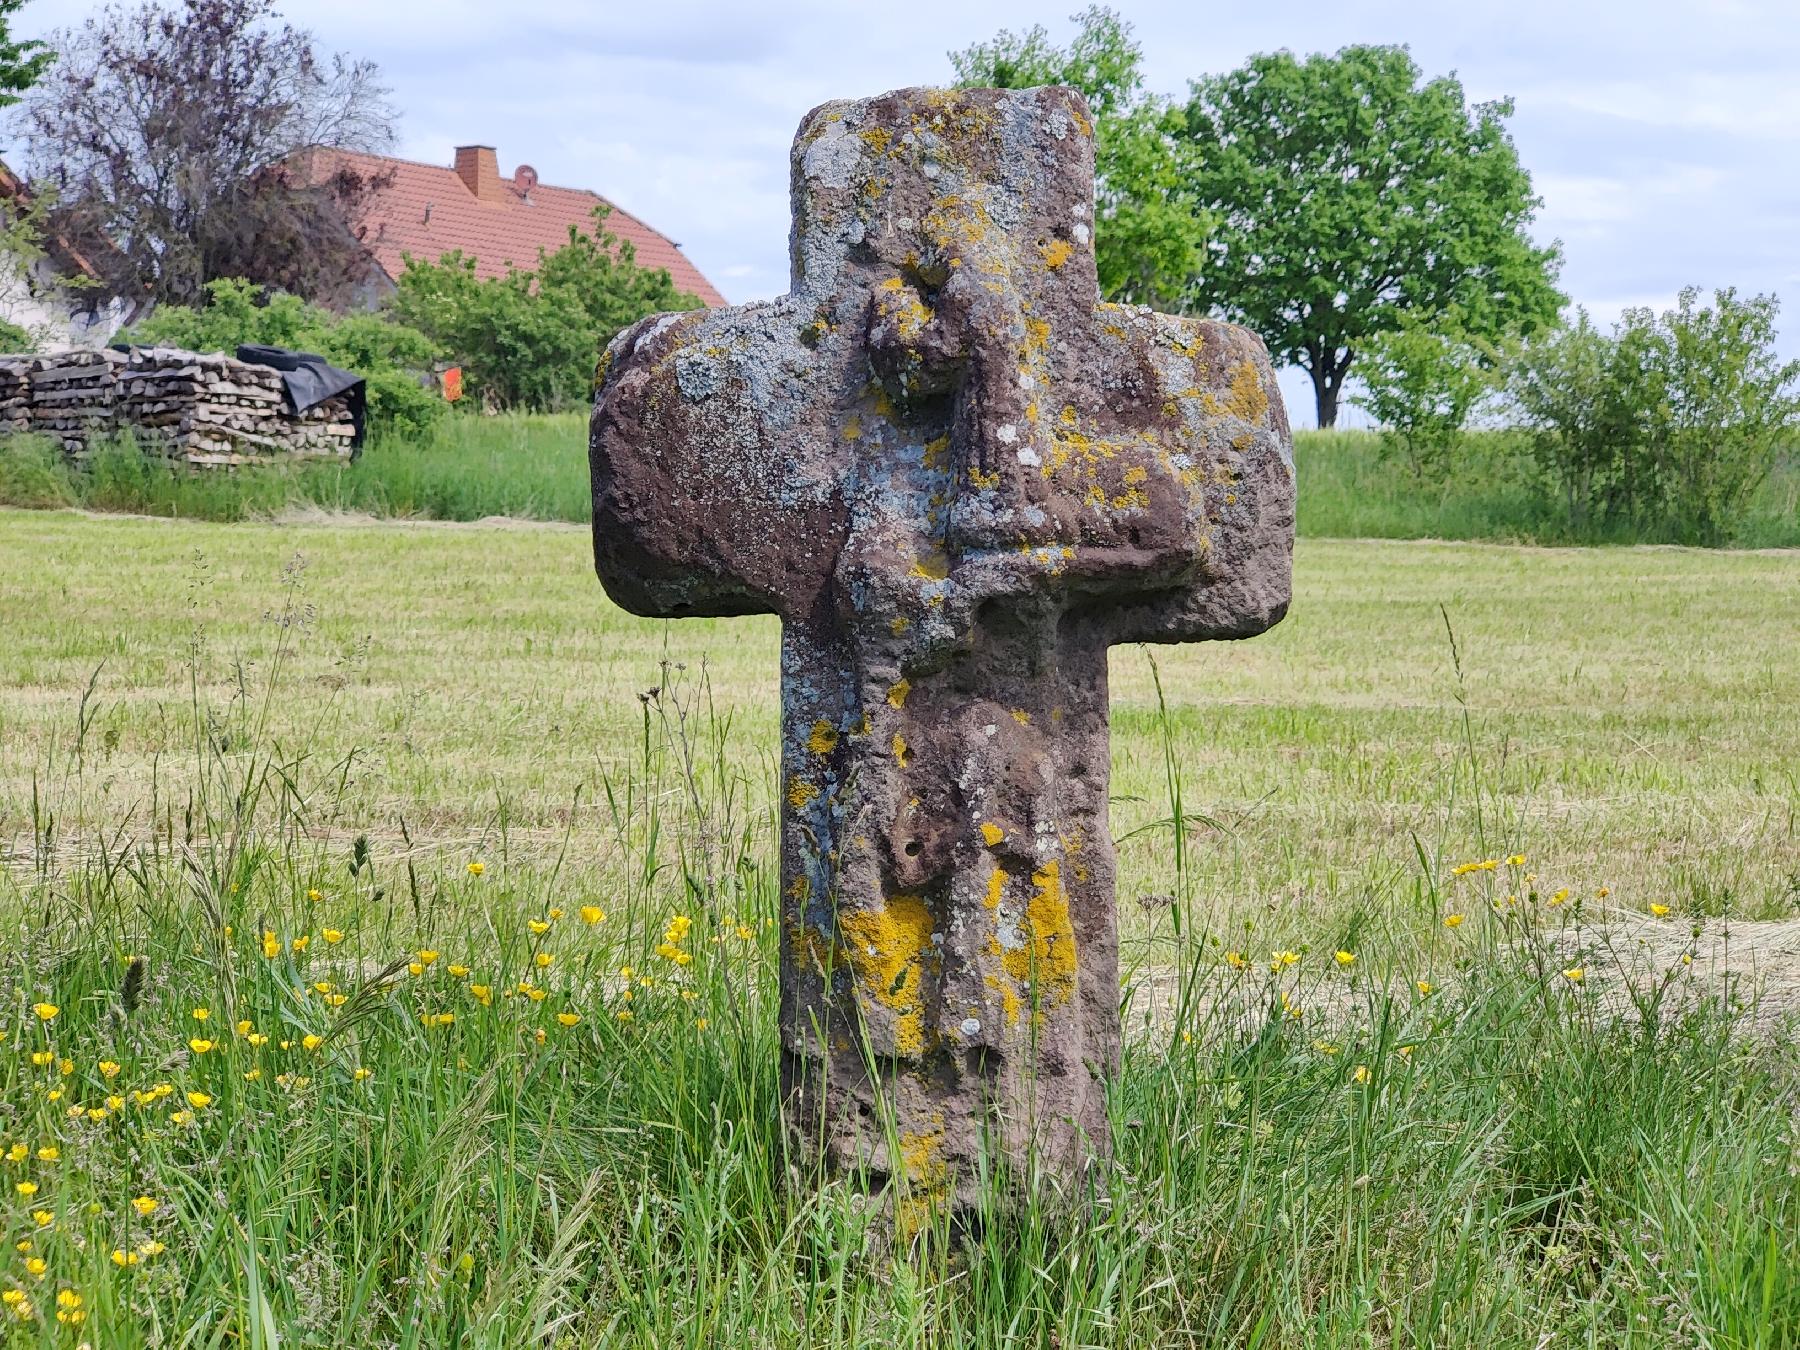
(959, 478)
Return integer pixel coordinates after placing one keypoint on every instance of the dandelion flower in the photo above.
(477, 867)
(1660, 911)
(1344, 959)
(145, 1205)
(592, 914)
(1453, 920)
(46, 1011)
(568, 1019)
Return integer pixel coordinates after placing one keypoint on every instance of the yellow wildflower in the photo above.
(1574, 974)
(46, 1011)
(568, 1019)
(1283, 959)
(592, 914)
(43, 1057)
(301, 943)
(1361, 1073)
(624, 1014)
(199, 1100)
(333, 936)
(1424, 987)
(477, 867)
(543, 960)
(1660, 911)
(538, 927)
(271, 945)
(1344, 959)
(199, 1045)
(1516, 860)
(109, 1068)
(314, 895)
(252, 1075)
(121, 1257)
(26, 1188)
(484, 994)
(43, 1218)
(426, 956)
(700, 1024)
(145, 1205)
(257, 1039)
(363, 1074)
(540, 1035)
(321, 986)
(49, 1153)
(312, 1042)
(1452, 920)
(458, 972)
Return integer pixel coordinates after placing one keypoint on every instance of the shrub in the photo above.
(1670, 424)
(529, 340)
(1422, 381)
(386, 353)
(33, 473)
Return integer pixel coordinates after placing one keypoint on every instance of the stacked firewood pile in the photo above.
(216, 410)
(72, 397)
(204, 409)
(15, 393)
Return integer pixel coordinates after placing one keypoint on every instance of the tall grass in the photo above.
(535, 468)
(486, 1111)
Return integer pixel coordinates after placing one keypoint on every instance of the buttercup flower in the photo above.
(145, 1205)
(477, 867)
(1344, 959)
(46, 1011)
(592, 914)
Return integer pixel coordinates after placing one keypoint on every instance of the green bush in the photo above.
(529, 340)
(1422, 381)
(1670, 425)
(389, 355)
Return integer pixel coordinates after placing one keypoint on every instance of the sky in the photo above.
(1662, 135)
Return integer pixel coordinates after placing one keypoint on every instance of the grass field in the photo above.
(264, 758)
(535, 468)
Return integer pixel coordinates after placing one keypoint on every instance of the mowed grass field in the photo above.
(394, 807)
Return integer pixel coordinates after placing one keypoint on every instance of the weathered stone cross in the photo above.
(958, 478)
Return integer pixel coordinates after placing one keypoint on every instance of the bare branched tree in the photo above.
(174, 136)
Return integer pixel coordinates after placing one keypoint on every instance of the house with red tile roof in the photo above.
(428, 210)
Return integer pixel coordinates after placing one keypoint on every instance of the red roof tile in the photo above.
(429, 211)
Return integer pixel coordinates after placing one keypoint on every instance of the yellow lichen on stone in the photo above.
(936, 451)
(1056, 253)
(991, 834)
(897, 692)
(982, 481)
(996, 886)
(1022, 717)
(853, 429)
(933, 566)
(824, 738)
(800, 792)
(889, 948)
(902, 751)
(899, 624)
(1047, 957)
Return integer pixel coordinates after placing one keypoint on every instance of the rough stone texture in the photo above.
(958, 478)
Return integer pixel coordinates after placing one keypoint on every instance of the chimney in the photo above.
(479, 168)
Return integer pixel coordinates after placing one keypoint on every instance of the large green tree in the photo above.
(1149, 234)
(1347, 191)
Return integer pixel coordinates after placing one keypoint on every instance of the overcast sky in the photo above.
(1663, 135)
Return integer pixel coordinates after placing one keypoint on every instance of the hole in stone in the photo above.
(912, 848)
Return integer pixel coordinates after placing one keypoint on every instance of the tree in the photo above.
(1346, 192)
(1148, 233)
(530, 339)
(171, 133)
(22, 64)
(1422, 380)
